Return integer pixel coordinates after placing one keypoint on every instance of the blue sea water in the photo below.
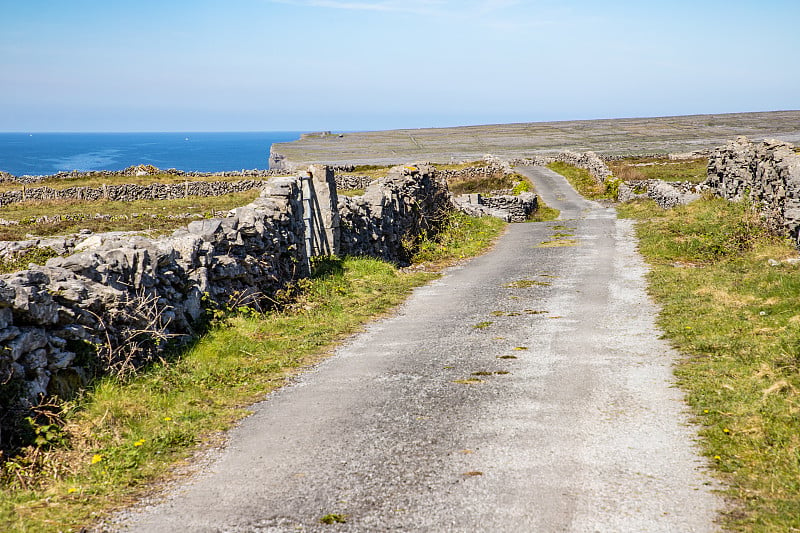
(48, 153)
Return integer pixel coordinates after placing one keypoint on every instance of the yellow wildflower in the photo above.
(96, 458)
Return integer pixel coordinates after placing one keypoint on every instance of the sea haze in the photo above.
(48, 153)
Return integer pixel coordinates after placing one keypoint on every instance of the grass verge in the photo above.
(120, 437)
(736, 319)
(463, 236)
(581, 180)
(544, 213)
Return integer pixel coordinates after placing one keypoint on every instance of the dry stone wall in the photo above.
(119, 299)
(506, 207)
(141, 170)
(132, 192)
(766, 172)
(666, 194)
(392, 210)
(350, 183)
(589, 161)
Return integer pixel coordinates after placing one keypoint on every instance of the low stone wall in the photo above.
(767, 173)
(589, 161)
(380, 223)
(490, 169)
(665, 193)
(142, 170)
(505, 207)
(131, 192)
(350, 183)
(117, 301)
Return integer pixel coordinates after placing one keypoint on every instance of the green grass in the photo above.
(121, 436)
(153, 214)
(373, 171)
(736, 319)
(459, 166)
(693, 170)
(464, 236)
(544, 213)
(581, 180)
(480, 184)
(37, 256)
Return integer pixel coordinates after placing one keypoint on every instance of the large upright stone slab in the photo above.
(325, 203)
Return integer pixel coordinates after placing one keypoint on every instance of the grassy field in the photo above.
(627, 136)
(736, 320)
(641, 168)
(153, 216)
(101, 451)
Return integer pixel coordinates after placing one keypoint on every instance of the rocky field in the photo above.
(607, 137)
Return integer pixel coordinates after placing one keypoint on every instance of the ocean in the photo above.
(47, 153)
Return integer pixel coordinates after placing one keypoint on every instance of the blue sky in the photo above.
(257, 65)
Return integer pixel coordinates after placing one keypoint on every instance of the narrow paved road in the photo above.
(574, 425)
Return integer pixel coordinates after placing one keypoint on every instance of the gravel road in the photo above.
(571, 424)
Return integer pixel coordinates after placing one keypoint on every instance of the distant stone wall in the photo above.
(766, 172)
(141, 170)
(118, 300)
(491, 169)
(352, 183)
(131, 192)
(589, 161)
(666, 194)
(505, 207)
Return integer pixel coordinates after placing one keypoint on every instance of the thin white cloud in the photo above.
(421, 6)
(428, 7)
(499, 15)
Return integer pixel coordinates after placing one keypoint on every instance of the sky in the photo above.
(350, 65)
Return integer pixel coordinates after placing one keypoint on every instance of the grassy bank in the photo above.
(103, 450)
(736, 319)
(581, 180)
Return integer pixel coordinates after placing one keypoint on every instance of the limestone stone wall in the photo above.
(589, 161)
(506, 207)
(142, 170)
(131, 192)
(352, 182)
(666, 194)
(116, 302)
(392, 210)
(766, 172)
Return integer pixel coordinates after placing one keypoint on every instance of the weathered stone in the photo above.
(117, 286)
(767, 173)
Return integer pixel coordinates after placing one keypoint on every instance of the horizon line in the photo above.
(318, 130)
